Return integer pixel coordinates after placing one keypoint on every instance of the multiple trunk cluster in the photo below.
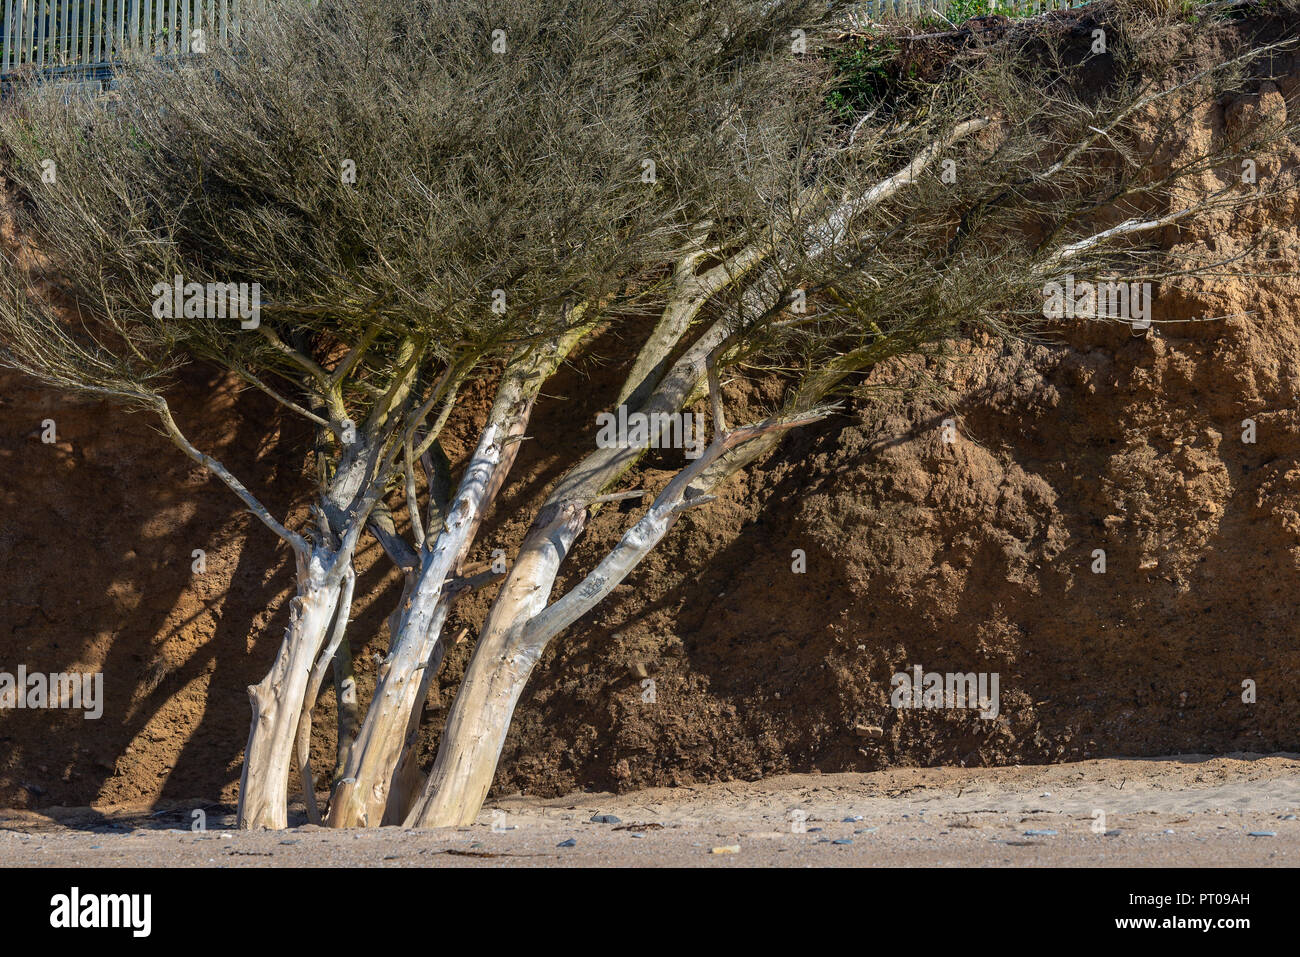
(378, 780)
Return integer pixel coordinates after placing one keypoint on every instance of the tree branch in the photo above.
(295, 541)
(638, 541)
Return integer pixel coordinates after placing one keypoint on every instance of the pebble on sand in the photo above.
(605, 819)
(569, 843)
(1263, 834)
(1040, 833)
(726, 849)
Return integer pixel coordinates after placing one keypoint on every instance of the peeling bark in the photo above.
(363, 789)
(499, 669)
(278, 700)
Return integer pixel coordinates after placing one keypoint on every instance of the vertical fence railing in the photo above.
(45, 34)
(93, 33)
(957, 9)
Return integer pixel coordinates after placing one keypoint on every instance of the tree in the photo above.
(366, 204)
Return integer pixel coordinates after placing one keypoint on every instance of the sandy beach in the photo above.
(1198, 811)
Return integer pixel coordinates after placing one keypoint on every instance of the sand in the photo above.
(1180, 811)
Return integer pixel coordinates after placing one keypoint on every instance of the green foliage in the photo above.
(863, 71)
(959, 11)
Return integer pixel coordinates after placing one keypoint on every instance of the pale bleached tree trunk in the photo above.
(496, 676)
(499, 669)
(282, 699)
(522, 625)
(278, 699)
(323, 663)
(475, 734)
(363, 791)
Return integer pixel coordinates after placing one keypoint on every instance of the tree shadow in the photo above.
(100, 559)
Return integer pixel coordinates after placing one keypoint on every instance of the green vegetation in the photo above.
(863, 68)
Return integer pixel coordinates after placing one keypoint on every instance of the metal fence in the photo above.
(91, 34)
(49, 34)
(956, 10)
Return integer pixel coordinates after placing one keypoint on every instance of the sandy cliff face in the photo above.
(971, 555)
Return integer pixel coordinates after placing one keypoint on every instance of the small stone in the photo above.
(569, 843)
(1169, 830)
(1111, 833)
(1263, 833)
(868, 731)
(1287, 817)
(843, 840)
(866, 830)
(852, 820)
(605, 819)
(726, 849)
(1040, 833)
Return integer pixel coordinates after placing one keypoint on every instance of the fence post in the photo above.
(41, 15)
(9, 31)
